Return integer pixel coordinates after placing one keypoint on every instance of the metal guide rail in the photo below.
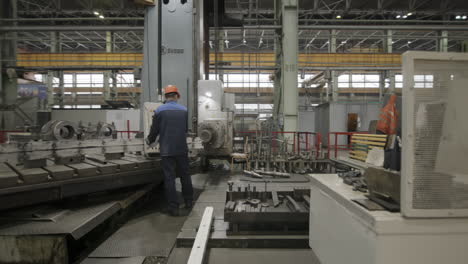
(39, 174)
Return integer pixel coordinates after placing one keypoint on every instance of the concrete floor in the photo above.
(150, 237)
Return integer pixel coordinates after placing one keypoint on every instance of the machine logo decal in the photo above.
(165, 51)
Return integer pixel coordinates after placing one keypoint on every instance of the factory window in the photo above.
(38, 77)
(68, 80)
(83, 80)
(239, 80)
(343, 81)
(265, 115)
(423, 81)
(365, 80)
(125, 80)
(420, 81)
(97, 80)
(398, 81)
(262, 107)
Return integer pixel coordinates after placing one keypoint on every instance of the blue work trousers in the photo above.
(177, 166)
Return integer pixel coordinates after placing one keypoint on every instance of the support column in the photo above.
(221, 43)
(391, 86)
(54, 48)
(332, 41)
(150, 76)
(61, 94)
(464, 47)
(328, 77)
(443, 41)
(333, 84)
(389, 41)
(277, 89)
(8, 84)
(334, 87)
(383, 76)
(289, 64)
(50, 90)
(113, 88)
(74, 94)
(107, 74)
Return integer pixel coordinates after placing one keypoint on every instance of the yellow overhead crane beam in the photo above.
(375, 60)
(246, 60)
(54, 60)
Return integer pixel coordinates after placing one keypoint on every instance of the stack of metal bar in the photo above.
(252, 210)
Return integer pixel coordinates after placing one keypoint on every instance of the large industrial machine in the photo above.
(67, 159)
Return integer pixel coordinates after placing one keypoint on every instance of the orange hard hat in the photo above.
(171, 89)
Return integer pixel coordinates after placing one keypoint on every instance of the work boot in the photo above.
(188, 205)
(171, 211)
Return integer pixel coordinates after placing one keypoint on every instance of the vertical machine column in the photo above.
(290, 93)
(150, 75)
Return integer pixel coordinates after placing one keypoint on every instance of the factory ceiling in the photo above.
(255, 13)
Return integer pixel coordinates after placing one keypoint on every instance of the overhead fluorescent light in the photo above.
(101, 16)
(398, 16)
(338, 17)
(96, 13)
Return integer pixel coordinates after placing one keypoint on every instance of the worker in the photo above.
(170, 124)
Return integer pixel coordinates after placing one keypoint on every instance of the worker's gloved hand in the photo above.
(147, 141)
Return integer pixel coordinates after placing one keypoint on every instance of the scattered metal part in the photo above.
(253, 174)
(230, 205)
(293, 204)
(306, 200)
(96, 159)
(253, 201)
(274, 196)
(274, 173)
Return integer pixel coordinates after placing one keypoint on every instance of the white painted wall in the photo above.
(306, 121)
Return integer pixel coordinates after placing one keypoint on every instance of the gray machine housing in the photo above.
(215, 118)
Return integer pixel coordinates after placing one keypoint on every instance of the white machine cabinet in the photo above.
(343, 232)
(434, 132)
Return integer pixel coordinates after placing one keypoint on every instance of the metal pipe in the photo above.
(274, 173)
(37, 19)
(253, 174)
(370, 21)
(70, 28)
(361, 27)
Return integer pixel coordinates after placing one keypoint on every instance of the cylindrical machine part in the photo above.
(59, 130)
(206, 135)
